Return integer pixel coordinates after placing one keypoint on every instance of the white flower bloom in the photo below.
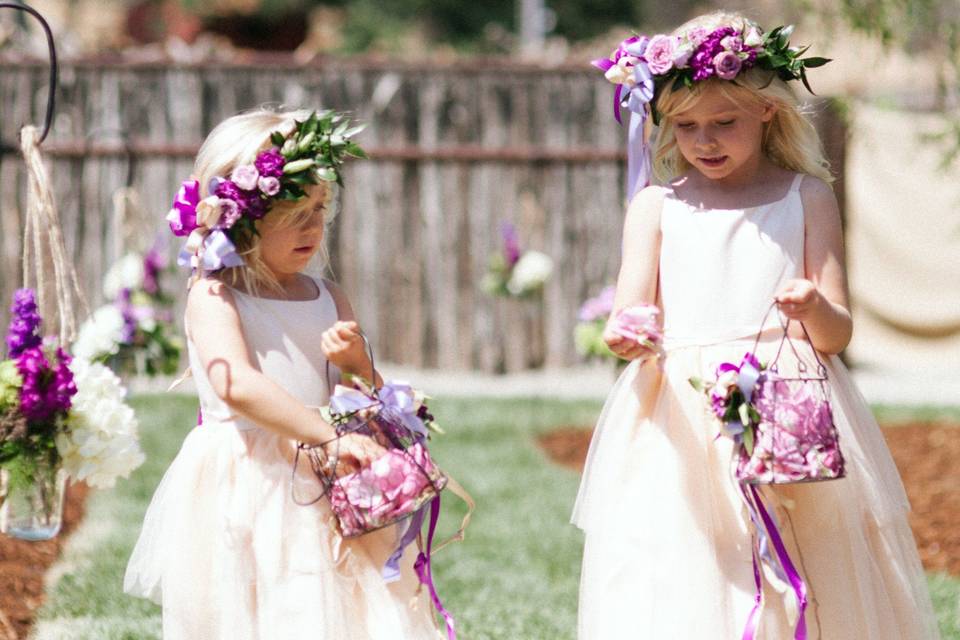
(208, 212)
(753, 38)
(532, 270)
(622, 72)
(101, 443)
(100, 334)
(125, 273)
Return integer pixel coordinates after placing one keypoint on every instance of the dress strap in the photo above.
(797, 179)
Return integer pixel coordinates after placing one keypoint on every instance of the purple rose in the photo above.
(269, 185)
(727, 65)
(270, 163)
(183, 215)
(660, 54)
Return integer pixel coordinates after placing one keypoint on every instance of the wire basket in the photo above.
(391, 487)
(795, 439)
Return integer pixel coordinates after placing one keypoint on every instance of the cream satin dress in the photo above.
(668, 549)
(226, 551)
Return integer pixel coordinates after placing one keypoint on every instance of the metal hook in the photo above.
(48, 120)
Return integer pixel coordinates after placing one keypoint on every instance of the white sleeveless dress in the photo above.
(226, 551)
(668, 549)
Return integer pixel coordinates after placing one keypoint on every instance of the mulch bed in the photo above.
(926, 455)
(23, 565)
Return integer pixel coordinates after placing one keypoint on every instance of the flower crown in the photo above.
(645, 65)
(641, 67)
(312, 153)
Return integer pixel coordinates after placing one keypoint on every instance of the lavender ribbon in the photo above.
(425, 573)
(395, 398)
(767, 530)
(216, 252)
(391, 569)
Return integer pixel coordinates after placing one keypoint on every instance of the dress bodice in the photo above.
(720, 268)
(283, 339)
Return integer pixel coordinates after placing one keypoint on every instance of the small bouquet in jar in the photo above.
(60, 417)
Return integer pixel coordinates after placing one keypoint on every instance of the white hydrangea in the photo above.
(530, 273)
(125, 273)
(100, 334)
(101, 442)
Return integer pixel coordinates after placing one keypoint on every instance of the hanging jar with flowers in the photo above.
(59, 417)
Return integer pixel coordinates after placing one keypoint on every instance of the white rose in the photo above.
(530, 273)
(100, 334)
(125, 273)
(208, 212)
(622, 72)
(727, 381)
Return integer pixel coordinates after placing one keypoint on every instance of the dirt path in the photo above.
(926, 455)
(23, 565)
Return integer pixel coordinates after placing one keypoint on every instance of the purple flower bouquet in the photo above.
(783, 426)
(399, 482)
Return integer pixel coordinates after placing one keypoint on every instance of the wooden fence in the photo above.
(455, 151)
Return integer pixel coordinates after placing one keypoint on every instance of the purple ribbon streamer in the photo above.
(425, 573)
(755, 505)
(391, 569)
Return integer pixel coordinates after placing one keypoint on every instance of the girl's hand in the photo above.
(353, 452)
(625, 348)
(343, 346)
(799, 300)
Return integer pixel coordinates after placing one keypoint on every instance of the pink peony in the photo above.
(660, 54)
(727, 65)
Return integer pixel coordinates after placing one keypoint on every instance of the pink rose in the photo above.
(231, 212)
(269, 185)
(640, 323)
(727, 65)
(245, 177)
(660, 54)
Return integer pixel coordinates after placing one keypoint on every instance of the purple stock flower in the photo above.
(702, 61)
(129, 317)
(250, 203)
(47, 390)
(153, 263)
(270, 163)
(24, 331)
(511, 244)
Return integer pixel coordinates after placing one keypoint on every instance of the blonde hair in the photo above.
(236, 141)
(789, 138)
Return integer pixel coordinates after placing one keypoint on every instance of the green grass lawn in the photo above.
(515, 577)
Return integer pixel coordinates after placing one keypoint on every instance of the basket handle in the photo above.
(785, 325)
(373, 368)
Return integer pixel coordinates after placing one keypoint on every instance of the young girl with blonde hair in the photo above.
(745, 218)
(224, 548)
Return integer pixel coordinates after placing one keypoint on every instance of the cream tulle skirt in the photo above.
(230, 556)
(667, 552)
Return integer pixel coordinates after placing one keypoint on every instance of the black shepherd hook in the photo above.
(53, 62)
